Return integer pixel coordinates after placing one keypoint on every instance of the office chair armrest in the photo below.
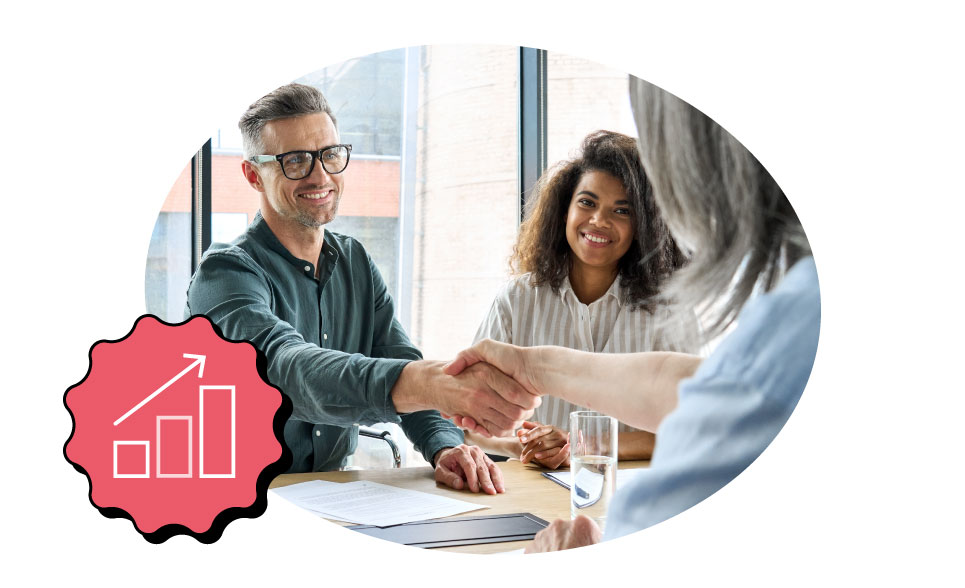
(385, 436)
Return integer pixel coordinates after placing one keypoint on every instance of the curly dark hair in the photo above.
(541, 248)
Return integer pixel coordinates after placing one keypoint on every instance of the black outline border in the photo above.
(223, 518)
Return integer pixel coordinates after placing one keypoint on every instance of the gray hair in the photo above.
(285, 102)
(717, 200)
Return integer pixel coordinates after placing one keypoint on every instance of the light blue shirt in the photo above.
(733, 406)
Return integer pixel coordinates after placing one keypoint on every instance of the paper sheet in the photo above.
(299, 493)
(370, 503)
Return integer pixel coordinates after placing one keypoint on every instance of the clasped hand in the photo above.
(508, 375)
(496, 404)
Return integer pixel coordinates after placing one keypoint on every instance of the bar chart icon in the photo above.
(174, 441)
(174, 436)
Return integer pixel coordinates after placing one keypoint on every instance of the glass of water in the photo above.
(593, 464)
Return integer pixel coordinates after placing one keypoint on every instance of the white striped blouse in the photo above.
(528, 315)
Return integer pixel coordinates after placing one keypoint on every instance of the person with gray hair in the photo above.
(750, 264)
(316, 305)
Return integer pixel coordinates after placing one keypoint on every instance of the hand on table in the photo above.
(545, 445)
(562, 534)
(467, 466)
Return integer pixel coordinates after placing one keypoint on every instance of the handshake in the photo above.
(490, 388)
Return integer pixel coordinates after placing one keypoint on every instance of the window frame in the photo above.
(531, 141)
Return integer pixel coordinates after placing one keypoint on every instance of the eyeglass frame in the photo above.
(316, 156)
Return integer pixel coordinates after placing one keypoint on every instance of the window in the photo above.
(432, 191)
(168, 267)
(466, 205)
(582, 97)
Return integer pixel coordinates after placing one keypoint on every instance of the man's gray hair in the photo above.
(719, 200)
(284, 102)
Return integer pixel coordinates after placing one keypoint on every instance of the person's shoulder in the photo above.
(224, 267)
(519, 287)
(776, 337)
(219, 252)
(520, 283)
(793, 304)
(241, 250)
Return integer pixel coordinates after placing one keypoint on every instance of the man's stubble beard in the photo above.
(307, 220)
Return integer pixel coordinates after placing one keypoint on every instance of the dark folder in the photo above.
(453, 531)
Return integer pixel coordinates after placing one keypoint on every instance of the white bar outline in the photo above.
(147, 459)
(202, 473)
(188, 418)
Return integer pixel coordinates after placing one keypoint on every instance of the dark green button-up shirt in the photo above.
(333, 344)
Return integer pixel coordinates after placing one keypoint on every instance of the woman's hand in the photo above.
(545, 445)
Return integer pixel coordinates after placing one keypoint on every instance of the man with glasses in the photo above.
(316, 305)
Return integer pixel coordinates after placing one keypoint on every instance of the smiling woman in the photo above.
(604, 192)
(599, 231)
(591, 255)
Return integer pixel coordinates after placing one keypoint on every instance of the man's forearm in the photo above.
(412, 390)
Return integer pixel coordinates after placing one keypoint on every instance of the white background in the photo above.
(856, 111)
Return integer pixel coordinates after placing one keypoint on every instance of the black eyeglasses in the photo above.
(299, 164)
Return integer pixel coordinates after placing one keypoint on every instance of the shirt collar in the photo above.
(261, 232)
(566, 290)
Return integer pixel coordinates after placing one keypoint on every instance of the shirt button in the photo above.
(325, 336)
(318, 433)
(308, 268)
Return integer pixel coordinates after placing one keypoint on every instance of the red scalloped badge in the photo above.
(177, 429)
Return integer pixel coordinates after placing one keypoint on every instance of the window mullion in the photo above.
(532, 120)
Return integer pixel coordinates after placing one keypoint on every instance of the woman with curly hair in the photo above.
(592, 253)
(751, 268)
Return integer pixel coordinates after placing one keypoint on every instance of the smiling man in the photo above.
(316, 305)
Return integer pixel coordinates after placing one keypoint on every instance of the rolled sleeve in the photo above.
(429, 432)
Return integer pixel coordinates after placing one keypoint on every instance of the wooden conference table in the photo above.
(526, 491)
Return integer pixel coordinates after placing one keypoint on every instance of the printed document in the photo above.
(371, 503)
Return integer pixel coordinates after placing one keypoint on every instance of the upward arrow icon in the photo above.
(198, 361)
